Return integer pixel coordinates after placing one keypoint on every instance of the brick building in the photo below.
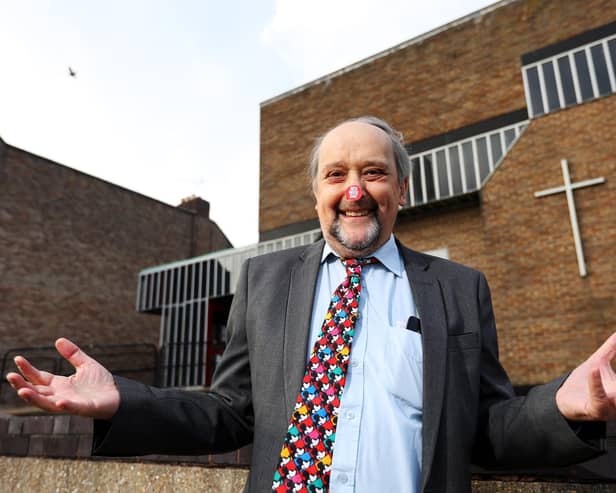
(490, 105)
(535, 78)
(514, 99)
(71, 247)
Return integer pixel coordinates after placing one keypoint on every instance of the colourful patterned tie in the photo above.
(307, 451)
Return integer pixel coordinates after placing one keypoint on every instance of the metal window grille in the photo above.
(572, 77)
(186, 294)
(460, 167)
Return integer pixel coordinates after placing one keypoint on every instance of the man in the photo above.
(418, 405)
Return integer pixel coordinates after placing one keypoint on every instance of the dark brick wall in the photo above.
(71, 437)
(71, 247)
(45, 436)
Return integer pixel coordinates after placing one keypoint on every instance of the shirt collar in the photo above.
(387, 254)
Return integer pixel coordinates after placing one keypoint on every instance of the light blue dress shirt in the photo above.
(378, 438)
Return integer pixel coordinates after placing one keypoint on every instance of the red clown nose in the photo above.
(353, 193)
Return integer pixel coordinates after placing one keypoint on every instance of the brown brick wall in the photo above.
(460, 76)
(71, 247)
(549, 318)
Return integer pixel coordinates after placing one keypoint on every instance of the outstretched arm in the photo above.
(589, 393)
(90, 391)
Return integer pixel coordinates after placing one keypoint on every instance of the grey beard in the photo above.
(371, 237)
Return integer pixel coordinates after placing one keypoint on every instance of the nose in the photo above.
(353, 192)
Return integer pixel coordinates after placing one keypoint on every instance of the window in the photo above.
(193, 299)
(580, 74)
(460, 167)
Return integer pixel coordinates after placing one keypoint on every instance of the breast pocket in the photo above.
(463, 342)
(403, 373)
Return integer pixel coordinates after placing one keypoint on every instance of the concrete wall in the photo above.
(32, 475)
(34, 437)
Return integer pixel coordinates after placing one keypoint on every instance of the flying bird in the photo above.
(71, 72)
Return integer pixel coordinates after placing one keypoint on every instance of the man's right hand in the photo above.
(90, 391)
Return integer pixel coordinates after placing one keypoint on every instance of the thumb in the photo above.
(71, 352)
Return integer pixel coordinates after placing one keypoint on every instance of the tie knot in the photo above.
(354, 265)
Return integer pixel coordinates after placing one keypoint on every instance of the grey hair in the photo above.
(397, 143)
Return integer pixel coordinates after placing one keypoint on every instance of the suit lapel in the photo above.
(299, 312)
(429, 300)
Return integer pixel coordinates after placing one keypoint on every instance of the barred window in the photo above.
(193, 297)
(580, 74)
(460, 167)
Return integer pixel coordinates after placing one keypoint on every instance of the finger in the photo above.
(30, 372)
(602, 396)
(70, 407)
(595, 385)
(43, 402)
(607, 351)
(71, 352)
(16, 380)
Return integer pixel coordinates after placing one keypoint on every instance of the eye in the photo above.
(374, 172)
(334, 174)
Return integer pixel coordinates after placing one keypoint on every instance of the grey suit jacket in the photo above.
(469, 412)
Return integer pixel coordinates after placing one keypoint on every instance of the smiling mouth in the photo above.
(360, 213)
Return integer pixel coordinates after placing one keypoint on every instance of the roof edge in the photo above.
(388, 51)
(96, 178)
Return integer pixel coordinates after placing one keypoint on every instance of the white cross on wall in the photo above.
(568, 189)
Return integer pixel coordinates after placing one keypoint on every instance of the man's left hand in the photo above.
(589, 393)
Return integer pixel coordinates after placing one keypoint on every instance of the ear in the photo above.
(404, 189)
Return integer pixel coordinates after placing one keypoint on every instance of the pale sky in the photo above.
(166, 97)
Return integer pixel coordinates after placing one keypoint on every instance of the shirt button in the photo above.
(350, 415)
(354, 363)
(343, 478)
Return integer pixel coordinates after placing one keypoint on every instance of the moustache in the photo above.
(365, 202)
